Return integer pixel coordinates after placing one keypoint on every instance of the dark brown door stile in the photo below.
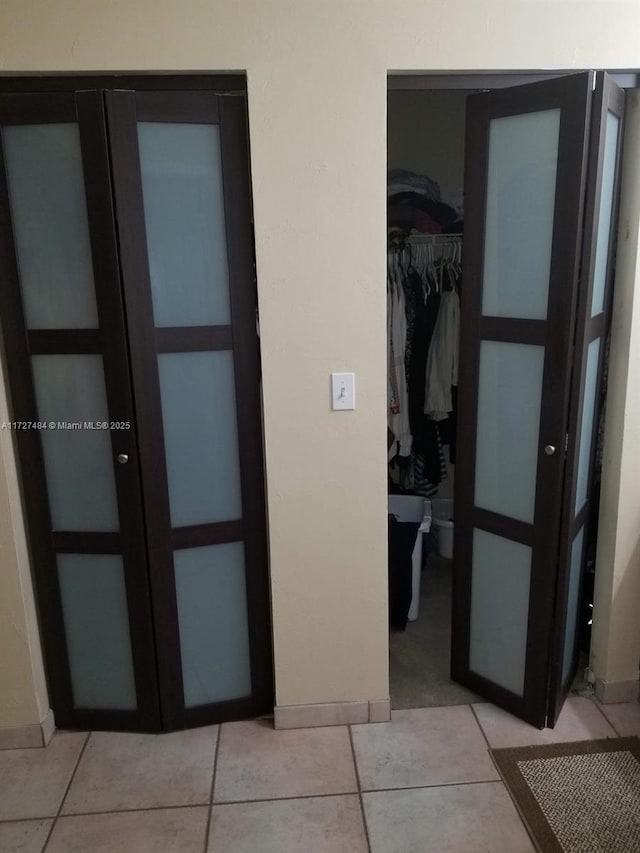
(234, 123)
(119, 397)
(128, 200)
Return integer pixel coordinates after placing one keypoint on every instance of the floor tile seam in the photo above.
(202, 805)
(164, 808)
(286, 799)
(66, 792)
(484, 734)
(211, 789)
(359, 784)
(595, 701)
(497, 781)
(4, 820)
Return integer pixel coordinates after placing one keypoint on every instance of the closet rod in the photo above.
(416, 239)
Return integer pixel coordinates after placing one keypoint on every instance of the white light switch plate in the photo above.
(343, 391)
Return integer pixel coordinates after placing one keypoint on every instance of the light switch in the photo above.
(343, 391)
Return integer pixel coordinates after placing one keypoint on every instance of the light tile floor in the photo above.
(422, 783)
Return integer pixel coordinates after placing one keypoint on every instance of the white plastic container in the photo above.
(443, 520)
(413, 508)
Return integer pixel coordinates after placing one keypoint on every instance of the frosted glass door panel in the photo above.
(575, 573)
(70, 390)
(509, 399)
(200, 433)
(184, 212)
(605, 213)
(51, 232)
(501, 573)
(94, 606)
(521, 189)
(588, 417)
(212, 615)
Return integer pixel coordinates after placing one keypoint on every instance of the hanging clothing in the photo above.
(429, 465)
(398, 395)
(448, 428)
(426, 316)
(442, 361)
(427, 456)
(424, 470)
(419, 305)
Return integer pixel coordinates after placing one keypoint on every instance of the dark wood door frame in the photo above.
(220, 83)
(594, 328)
(401, 81)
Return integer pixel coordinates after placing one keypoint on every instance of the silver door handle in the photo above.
(122, 458)
(549, 450)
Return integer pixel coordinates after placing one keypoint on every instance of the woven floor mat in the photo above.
(579, 797)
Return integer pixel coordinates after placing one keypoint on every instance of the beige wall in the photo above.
(615, 648)
(23, 693)
(317, 101)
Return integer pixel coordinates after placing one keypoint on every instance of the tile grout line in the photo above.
(501, 781)
(477, 719)
(24, 819)
(165, 808)
(489, 747)
(359, 786)
(259, 800)
(212, 788)
(428, 787)
(66, 791)
(195, 805)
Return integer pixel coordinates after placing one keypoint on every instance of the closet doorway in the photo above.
(426, 132)
(129, 321)
(500, 422)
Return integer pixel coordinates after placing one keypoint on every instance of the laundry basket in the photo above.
(442, 510)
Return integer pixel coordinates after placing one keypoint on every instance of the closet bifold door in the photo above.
(180, 171)
(592, 325)
(71, 409)
(525, 173)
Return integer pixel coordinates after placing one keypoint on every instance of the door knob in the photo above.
(123, 458)
(549, 450)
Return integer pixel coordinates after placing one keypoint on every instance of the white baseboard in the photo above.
(609, 692)
(331, 714)
(48, 726)
(28, 737)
